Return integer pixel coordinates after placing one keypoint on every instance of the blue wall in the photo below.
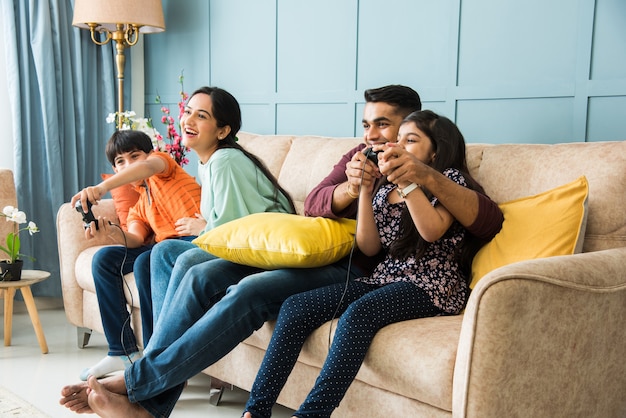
(538, 71)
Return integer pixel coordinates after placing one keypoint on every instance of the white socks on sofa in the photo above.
(110, 364)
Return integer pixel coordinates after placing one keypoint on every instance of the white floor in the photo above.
(38, 378)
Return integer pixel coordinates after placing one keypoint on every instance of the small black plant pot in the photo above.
(11, 272)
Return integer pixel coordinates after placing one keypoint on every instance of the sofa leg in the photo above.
(217, 390)
(83, 335)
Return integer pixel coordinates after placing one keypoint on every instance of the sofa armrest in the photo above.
(545, 338)
(71, 242)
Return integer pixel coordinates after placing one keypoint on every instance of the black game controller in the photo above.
(372, 155)
(88, 217)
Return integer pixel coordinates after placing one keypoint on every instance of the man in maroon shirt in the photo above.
(153, 383)
(336, 196)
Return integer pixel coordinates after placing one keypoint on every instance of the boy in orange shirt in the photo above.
(167, 194)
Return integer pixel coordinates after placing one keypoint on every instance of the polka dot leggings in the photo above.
(364, 310)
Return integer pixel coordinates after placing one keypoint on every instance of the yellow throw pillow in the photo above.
(548, 224)
(272, 240)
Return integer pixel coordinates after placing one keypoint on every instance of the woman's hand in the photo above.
(190, 226)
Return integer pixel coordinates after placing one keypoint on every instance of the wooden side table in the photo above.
(29, 278)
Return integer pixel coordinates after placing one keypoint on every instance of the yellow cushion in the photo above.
(279, 240)
(548, 224)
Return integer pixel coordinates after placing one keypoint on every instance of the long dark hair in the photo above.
(226, 112)
(449, 147)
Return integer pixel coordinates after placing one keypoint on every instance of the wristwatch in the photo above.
(408, 189)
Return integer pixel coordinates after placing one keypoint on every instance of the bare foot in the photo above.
(108, 404)
(74, 397)
(247, 415)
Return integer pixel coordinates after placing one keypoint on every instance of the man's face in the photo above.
(380, 123)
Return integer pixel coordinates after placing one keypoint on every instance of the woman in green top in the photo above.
(234, 184)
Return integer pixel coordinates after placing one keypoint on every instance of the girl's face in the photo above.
(199, 128)
(416, 142)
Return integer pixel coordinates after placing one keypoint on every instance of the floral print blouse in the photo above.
(437, 271)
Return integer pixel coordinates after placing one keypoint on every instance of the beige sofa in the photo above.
(539, 338)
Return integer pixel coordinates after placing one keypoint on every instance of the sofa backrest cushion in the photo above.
(512, 171)
(299, 163)
(506, 171)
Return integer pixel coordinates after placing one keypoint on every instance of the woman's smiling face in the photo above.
(199, 128)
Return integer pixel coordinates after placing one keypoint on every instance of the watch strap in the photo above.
(408, 189)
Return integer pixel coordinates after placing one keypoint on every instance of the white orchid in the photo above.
(129, 121)
(12, 248)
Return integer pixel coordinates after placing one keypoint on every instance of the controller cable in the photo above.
(88, 218)
(127, 321)
(367, 153)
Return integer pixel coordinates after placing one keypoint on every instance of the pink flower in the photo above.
(176, 150)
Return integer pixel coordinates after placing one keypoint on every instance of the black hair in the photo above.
(449, 147)
(403, 98)
(226, 112)
(127, 141)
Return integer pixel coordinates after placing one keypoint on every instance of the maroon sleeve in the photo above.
(489, 219)
(319, 201)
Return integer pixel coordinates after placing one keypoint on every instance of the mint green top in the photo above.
(233, 187)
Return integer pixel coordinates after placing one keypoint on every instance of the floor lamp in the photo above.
(121, 21)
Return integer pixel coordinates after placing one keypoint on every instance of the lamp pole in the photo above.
(124, 37)
(111, 18)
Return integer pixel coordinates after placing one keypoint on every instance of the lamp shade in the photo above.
(146, 14)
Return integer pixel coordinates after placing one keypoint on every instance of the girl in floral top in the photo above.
(426, 256)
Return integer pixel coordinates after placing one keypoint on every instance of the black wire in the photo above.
(127, 321)
(345, 289)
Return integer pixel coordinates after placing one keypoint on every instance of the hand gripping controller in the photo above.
(88, 217)
(372, 155)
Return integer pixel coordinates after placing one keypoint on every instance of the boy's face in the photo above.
(380, 123)
(125, 159)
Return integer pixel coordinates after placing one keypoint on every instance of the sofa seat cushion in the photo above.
(419, 364)
(84, 278)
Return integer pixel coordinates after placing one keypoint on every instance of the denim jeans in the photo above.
(108, 266)
(169, 262)
(186, 341)
(152, 275)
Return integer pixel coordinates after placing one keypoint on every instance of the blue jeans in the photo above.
(170, 261)
(152, 275)
(108, 266)
(214, 320)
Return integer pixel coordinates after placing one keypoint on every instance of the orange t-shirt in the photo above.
(164, 198)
